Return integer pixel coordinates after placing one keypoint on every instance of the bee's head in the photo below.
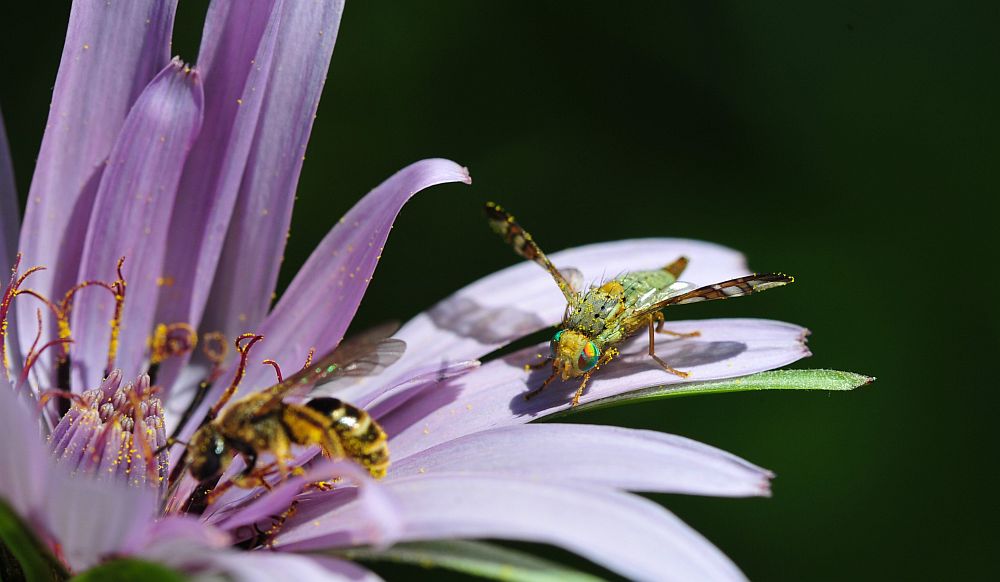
(210, 453)
(573, 353)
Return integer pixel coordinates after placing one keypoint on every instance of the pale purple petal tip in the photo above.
(321, 301)
(624, 533)
(247, 270)
(634, 460)
(134, 202)
(112, 50)
(493, 395)
(235, 63)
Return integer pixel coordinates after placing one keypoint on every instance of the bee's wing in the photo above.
(362, 355)
(681, 292)
(503, 223)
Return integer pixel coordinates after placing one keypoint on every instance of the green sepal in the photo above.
(21, 554)
(129, 569)
(477, 558)
(825, 380)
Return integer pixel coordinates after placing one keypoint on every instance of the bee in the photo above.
(266, 422)
(598, 320)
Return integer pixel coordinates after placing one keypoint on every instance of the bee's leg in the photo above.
(652, 353)
(535, 392)
(607, 357)
(658, 316)
(279, 522)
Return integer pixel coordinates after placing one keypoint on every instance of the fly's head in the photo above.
(573, 353)
(210, 453)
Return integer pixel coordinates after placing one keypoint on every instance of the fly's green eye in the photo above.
(588, 357)
(554, 344)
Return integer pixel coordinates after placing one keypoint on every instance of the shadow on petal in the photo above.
(489, 325)
(679, 353)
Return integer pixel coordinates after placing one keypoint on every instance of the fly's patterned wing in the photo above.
(678, 293)
(503, 223)
(364, 355)
(727, 289)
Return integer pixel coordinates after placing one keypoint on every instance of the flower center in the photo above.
(115, 430)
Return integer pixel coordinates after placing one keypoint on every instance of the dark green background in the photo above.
(853, 144)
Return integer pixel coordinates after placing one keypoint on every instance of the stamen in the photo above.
(114, 431)
(10, 292)
(168, 341)
(216, 348)
(277, 369)
(116, 319)
(309, 357)
(241, 371)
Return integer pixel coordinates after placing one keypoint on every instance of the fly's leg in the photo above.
(658, 317)
(607, 357)
(541, 363)
(536, 391)
(247, 479)
(652, 352)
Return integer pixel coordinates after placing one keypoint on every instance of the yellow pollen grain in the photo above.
(427, 429)
(86, 46)
(239, 102)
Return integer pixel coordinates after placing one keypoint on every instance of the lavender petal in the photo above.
(493, 395)
(24, 461)
(112, 50)
(9, 227)
(247, 271)
(624, 533)
(523, 299)
(235, 62)
(270, 566)
(95, 518)
(131, 219)
(634, 460)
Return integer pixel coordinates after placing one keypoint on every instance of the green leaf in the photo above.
(773, 380)
(127, 570)
(476, 558)
(21, 554)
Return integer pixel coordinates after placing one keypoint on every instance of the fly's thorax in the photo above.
(597, 309)
(573, 353)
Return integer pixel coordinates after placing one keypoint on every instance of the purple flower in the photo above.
(159, 208)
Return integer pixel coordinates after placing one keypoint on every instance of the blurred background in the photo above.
(852, 144)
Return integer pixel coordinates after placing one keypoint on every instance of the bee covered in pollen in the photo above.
(267, 422)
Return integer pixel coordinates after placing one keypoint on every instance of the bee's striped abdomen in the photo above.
(362, 438)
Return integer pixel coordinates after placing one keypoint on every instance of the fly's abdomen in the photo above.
(361, 437)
